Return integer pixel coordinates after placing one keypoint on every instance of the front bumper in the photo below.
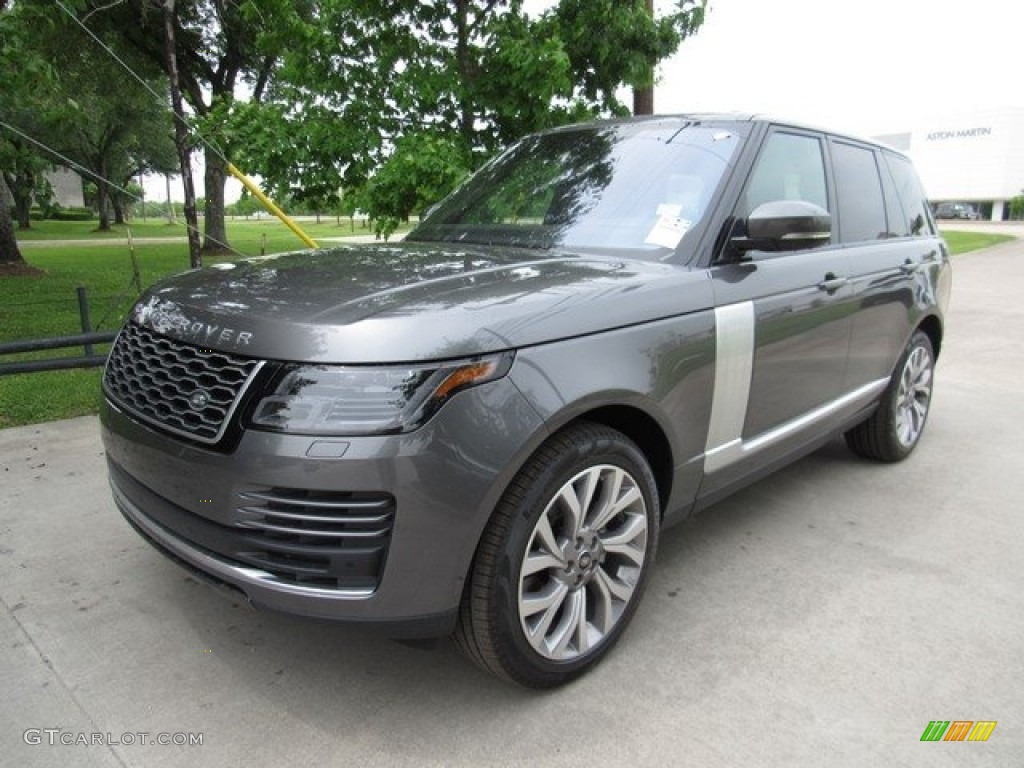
(402, 565)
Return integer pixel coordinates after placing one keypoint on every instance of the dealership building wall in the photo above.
(975, 157)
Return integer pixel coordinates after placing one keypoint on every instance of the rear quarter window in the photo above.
(911, 196)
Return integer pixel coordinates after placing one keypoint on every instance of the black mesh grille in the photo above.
(177, 386)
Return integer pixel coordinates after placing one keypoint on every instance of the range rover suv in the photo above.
(480, 431)
(956, 211)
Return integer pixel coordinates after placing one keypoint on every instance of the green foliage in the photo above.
(43, 196)
(111, 133)
(20, 73)
(423, 169)
(59, 213)
(335, 87)
(525, 71)
(630, 43)
(35, 307)
(1017, 207)
(246, 205)
(356, 77)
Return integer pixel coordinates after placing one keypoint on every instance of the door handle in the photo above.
(909, 267)
(832, 283)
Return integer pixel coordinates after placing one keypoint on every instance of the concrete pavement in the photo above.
(819, 618)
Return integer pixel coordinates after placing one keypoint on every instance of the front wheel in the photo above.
(563, 562)
(892, 431)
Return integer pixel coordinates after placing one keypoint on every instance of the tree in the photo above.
(114, 134)
(23, 170)
(333, 104)
(219, 45)
(357, 77)
(1017, 207)
(110, 134)
(246, 205)
(9, 252)
(333, 85)
(422, 170)
(631, 43)
(482, 73)
(19, 74)
(350, 202)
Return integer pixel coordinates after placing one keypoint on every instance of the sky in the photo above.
(864, 67)
(868, 67)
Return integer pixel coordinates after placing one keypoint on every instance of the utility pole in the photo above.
(181, 138)
(643, 98)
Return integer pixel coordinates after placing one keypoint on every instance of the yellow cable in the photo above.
(269, 205)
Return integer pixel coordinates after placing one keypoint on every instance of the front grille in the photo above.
(180, 387)
(328, 539)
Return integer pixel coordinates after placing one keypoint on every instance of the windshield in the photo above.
(636, 188)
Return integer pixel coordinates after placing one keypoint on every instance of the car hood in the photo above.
(411, 302)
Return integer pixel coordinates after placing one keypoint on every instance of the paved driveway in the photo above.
(820, 618)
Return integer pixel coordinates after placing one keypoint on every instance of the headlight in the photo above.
(368, 400)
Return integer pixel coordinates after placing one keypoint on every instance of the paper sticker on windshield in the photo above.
(668, 231)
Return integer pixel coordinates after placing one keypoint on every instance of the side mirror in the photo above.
(785, 225)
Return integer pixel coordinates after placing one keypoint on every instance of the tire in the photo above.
(891, 433)
(548, 597)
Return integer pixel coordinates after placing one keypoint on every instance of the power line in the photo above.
(67, 160)
(202, 139)
(82, 169)
(180, 118)
(160, 98)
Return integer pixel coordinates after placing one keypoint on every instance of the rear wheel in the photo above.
(892, 431)
(563, 562)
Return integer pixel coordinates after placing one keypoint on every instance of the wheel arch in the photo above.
(646, 432)
(931, 326)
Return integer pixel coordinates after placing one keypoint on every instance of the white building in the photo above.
(975, 157)
(67, 187)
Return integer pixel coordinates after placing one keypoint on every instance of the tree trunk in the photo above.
(9, 253)
(643, 101)
(215, 236)
(118, 204)
(643, 97)
(465, 67)
(20, 186)
(181, 138)
(23, 210)
(103, 206)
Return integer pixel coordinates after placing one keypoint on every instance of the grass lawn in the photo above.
(962, 242)
(46, 305)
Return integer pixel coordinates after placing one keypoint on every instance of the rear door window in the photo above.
(859, 194)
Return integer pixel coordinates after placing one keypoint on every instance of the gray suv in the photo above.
(480, 431)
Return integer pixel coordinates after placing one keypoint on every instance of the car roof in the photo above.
(719, 118)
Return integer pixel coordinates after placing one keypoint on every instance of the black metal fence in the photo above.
(87, 340)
